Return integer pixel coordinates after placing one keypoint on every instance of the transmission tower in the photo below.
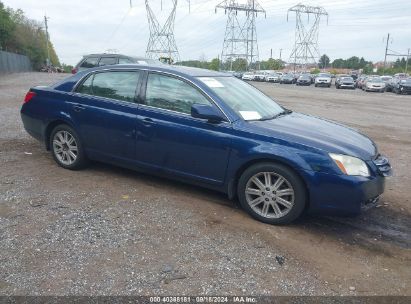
(161, 43)
(240, 38)
(306, 50)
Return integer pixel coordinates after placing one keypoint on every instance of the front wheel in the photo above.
(272, 193)
(66, 148)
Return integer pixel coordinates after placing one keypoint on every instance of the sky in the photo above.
(355, 28)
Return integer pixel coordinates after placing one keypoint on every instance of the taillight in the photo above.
(73, 71)
(29, 96)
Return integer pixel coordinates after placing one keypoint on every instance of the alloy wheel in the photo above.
(65, 147)
(269, 194)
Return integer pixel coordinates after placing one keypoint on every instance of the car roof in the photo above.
(173, 69)
(108, 55)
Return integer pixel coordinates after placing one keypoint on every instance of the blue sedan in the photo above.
(212, 130)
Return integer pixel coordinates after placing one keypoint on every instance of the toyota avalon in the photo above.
(209, 129)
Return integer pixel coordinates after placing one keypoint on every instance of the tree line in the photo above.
(21, 35)
(357, 63)
(238, 65)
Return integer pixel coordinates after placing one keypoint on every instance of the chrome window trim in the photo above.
(185, 115)
(157, 71)
(132, 104)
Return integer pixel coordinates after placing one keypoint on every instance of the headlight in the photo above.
(350, 165)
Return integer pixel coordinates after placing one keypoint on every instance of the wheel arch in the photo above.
(49, 128)
(232, 187)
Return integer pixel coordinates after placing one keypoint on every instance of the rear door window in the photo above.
(119, 85)
(90, 62)
(107, 61)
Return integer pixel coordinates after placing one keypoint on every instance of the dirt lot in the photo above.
(111, 231)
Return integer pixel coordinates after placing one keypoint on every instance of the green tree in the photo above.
(271, 64)
(6, 26)
(214, 64)
(339, 63)
(324, 62)
(25, 36)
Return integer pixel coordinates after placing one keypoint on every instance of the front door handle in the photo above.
(147, 121)
(78, 108)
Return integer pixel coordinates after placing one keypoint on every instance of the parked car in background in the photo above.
(248, 76)
(304, 79)
(402, 86)
(273, 77)
(323, 80)
(287, 78)
(359, 82)
(339, 77)
(94, 60)
(210, 129)
(345, 83)
(260, 75)
(390, 84)
(374, 84)
(238, 75)
(386, 79)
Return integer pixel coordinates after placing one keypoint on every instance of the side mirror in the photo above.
(206, 112)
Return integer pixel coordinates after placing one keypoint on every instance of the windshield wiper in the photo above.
(285, 112)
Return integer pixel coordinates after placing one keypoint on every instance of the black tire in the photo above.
(316, 85)
(290, 176)
(80, 161)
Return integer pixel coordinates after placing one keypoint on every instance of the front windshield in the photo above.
(324, 75)
(243, 98)
(377, 80)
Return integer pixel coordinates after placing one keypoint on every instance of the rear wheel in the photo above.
(66, 148)
(271, 193)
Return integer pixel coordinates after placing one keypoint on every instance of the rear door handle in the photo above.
(78, 108)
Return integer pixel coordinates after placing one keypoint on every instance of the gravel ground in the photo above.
(111, 231)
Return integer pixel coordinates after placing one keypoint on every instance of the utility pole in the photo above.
(406, 62)
(386, 51)
(271, 53)
(47, 40)
(280, 53)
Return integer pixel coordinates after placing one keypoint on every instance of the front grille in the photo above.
(383, 165)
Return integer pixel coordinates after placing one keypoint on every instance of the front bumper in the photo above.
(405, 89)
(342, 194)
(347, 195)
(375, 89)
(325, 84)
(348, 86)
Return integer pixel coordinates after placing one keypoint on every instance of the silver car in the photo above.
(374, 84)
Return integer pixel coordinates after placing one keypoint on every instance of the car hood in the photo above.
(319, 133)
